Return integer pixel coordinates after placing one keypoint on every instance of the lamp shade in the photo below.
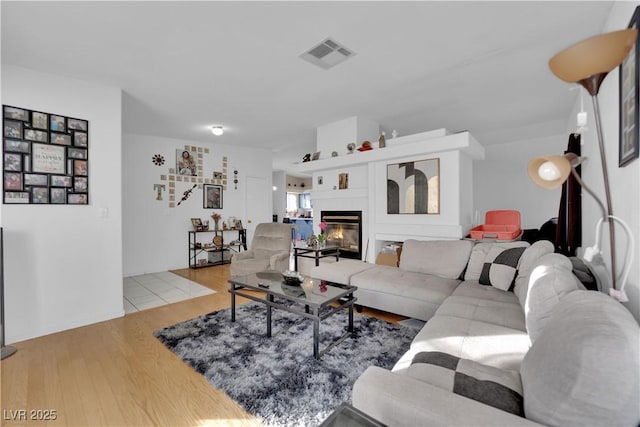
(593, 56)
(549, 171)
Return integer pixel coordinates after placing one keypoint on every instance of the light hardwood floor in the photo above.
(116, 373)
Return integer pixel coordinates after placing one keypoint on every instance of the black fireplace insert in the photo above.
(344, 229)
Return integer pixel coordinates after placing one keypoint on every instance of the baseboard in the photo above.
(65, 326)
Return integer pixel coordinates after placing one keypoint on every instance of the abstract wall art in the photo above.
(414, 187)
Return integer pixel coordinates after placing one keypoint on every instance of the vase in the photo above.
(215, 224)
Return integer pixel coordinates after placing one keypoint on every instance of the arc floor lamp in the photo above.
(588, 63)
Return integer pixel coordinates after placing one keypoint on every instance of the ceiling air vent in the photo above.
(327, 54)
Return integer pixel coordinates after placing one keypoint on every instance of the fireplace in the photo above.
(344, 229)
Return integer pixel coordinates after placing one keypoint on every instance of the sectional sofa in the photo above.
(512, 338)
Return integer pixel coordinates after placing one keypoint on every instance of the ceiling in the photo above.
(184, 66)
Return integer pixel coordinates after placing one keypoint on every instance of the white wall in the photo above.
(155, 235)
(63, 264)
(337, 135)
(501, 180)
(624, 182)
(279, 197)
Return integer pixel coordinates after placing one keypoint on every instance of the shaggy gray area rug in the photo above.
(277, 379)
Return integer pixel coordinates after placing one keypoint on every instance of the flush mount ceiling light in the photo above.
(217, 130)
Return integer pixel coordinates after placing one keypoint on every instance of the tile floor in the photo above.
(156, 289)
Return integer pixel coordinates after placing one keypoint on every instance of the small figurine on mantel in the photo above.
(394, 134)
(381, 141)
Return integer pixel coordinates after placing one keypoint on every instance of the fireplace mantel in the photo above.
(401, 147)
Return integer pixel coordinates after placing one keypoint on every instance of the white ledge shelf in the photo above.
(401, 147)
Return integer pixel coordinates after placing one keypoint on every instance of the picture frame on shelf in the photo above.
(629, 139)
(197, 225)
(343, 181)
(212, 196)
(315, 156)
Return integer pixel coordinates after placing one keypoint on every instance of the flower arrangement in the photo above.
(216, 218)
(323, 227)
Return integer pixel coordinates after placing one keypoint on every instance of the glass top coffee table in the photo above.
(313, 299)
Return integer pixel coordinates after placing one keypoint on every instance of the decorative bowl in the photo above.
(292, 277)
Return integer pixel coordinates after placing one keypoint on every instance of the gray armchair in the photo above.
(269, 250)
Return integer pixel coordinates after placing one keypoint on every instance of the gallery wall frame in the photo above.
(414, 187)
(45, 158)
(628, 146)
(212, 196)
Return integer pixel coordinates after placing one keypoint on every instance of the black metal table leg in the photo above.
(270, 298)
(350, 329)
(233, 303)
(316, 334)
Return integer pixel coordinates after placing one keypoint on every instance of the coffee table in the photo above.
(347, 415)
(312, 300)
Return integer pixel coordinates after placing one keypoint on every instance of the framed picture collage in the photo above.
(45, 158)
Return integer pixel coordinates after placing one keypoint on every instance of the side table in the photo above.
(315, 253)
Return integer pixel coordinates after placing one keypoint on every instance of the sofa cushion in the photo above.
(549, 282)
(443, 258)
(341, 271)
(482, 342)
(508, 314)
(472, 289)
(392, 280)
(528, 260)
(583, 369)
(500, 267)
(479, 253)
(499, 388)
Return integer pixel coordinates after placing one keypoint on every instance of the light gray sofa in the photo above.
(545, 352)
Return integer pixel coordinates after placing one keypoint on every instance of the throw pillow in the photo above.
(479, 253)
(495, 387)
(500, 267)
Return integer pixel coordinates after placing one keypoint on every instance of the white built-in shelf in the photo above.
(410, 145)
